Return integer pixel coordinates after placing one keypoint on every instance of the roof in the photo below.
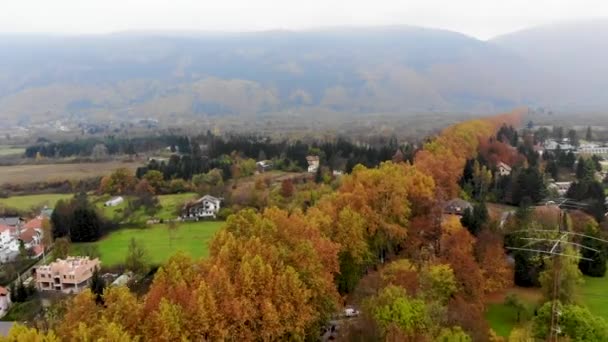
(3, 291)
(208, 198)
(38, 250)
(27, 235)
(5, 328)
(10, 221)
(457, 203)
(507, 167)
(34, 224)
(46, 212)
(4, 228)
(115, 199)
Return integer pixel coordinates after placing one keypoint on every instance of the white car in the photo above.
(351, 312)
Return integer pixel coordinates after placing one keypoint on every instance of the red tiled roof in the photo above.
(3, 291)
(35, 223)
(3, 228)
(38, 249)
(27, 235)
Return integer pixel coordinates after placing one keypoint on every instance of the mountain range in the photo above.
(358, 71)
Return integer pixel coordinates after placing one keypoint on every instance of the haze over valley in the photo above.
(180, 76)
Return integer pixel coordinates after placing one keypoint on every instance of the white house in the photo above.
(114, 201)
(206, 206)
(313, 163)
(504, 169)
(561, 187)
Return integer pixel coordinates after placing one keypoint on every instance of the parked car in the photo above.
(351, 312)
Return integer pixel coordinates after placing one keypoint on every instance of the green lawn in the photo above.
(502, 318)
(192, 238)
(594, 294)
(169, 207)
(32, 201)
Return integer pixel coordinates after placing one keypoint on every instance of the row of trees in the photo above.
(100, 147)
(78, 220)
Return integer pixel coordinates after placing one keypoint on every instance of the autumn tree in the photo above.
(492, 259)
(287, 188)
(155, 180)
(121, 181)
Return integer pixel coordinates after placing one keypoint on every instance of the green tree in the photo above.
(61, 248)
(576, 323)
(513, 301)
(97, 286)
(589, 135)
(595, 255)
(398, 315)
(570, 277)
(454, 334)
(438, 283)
(585, 170)
(137, 257)
(156, 180)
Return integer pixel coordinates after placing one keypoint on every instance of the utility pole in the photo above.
(557, 252)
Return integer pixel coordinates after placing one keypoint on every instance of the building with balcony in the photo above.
(70, 275)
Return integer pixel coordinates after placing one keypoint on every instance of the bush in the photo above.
(224, 213)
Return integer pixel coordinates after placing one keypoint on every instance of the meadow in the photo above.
(592, 294)
(31, 173)
(170, 207)
(28, 202)
(192, 238)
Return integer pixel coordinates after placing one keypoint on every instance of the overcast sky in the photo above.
(480, 18)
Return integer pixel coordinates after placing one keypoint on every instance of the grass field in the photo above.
(170, 205)
(32, 201)
(594, 294)
(191, 238)
(19, 174)
(503, 318)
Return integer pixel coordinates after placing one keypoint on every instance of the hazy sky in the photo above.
(479, 18)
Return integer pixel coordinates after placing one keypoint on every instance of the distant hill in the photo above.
(172, 76)
(574, 53)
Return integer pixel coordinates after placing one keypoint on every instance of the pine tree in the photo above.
(97, 286)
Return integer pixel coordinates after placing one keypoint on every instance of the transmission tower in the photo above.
(556, 252)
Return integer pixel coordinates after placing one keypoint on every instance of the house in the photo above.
(9, 245)
(263, 166)
(46, 212)
(551, 145)
(206, 206)
(5, 300)
(70, 275)
(114, 201)
(561, 187)
(313, 163)
(11, 221)
(457, 206)
(503, 169)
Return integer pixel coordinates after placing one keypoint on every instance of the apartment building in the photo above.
(70, 275)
